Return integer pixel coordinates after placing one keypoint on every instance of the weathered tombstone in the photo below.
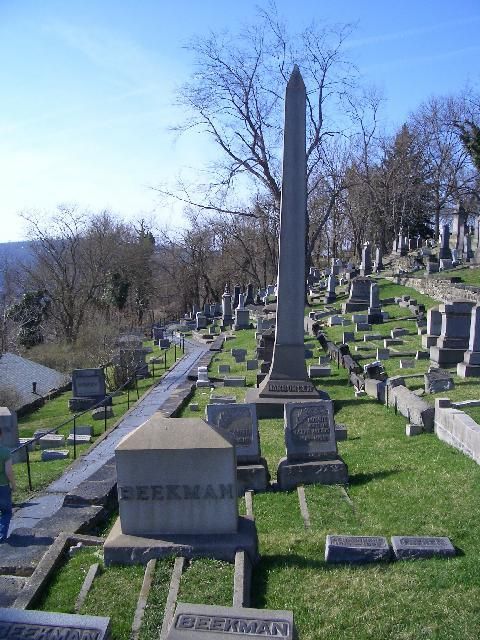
(366, 266)
(331, 295)
(209, 622)
(177, 495)
(356, 549)
(455, 333)
(434, 328)
(445, 264)
(157, 333)
(433, 265)
(374, 315)
(132, 361)
(437, 380)
(470, 366)
(10, 439)
(378, 264)
(201, 321)
(202, 377)
(227, 314)
(312, 456)
(444, 252)
(413, 547)
(250, 298)
(237, 290)
(455, 258)
(467, 248)
(239, 422)
(287, 378)
(88, 389)
(459, 224)
(21, 624)
(242, 315)
(359, 298)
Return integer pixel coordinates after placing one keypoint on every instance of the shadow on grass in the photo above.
(340, 404)
(359, 479)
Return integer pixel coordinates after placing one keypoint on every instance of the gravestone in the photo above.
(21, 624)
(470, 367)
(132, 361)
(237, 290)
(413, 547)
(177, 495)
(378, 264)
(455, 333)
(459, 224)
(366, 266)
(10, 439)
(445, 264)
(288, 378)
(434, 328)
(201, 321)
(212, 622)
(359, 298)
(250, 298)
(202, 377)
(433, 265)
(437, 380)
(467, 248)
(374, 315)
(242, 315)
(331, 296)
(356, 549)
(227, 313)
(157, 333)
(88, 389)
(311, 447)
(239, 423)
(444, 251)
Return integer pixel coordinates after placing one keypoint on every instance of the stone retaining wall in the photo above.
(438, 289)
(457, 429)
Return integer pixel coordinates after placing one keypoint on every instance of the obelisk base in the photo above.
(272, 396)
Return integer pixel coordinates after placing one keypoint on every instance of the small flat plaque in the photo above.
(356, 549)
(19, 624)
(406, 547)
(206, 622)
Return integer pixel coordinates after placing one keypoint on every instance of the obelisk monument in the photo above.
(288, 378)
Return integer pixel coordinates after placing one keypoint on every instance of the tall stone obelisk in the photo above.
(288, 378)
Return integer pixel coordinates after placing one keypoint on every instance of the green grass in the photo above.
(398, 485)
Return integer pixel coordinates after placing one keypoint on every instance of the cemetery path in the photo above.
(47, 503)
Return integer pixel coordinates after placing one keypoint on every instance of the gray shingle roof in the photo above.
(18, 373)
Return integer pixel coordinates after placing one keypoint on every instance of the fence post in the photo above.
(175, 346)
(165, 359)
(136, 385)
(104, 418)
(128, 397)
(28, 470)
(153, 370)
(74, 437)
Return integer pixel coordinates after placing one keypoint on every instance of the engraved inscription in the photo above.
(288, 387)
(176, 492)
(311, 424)
(17, 630)
(239, 426)
(425, 542)
(357, 541)
(235, 626)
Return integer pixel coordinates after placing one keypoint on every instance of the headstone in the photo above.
(238, 381)
(407, 364)
(455, 333)
(177, 494)
(287, 378)
(433, 266)
(383, 354)
(413, 547)
(356, 549)
(88, 389)
(52, 441)
(445, 264)
(239, 422)
(252, 365)
(331, 284)
(470, 367)
(348, 336)
(366, 266)
(223, 368)
(157, 333)
(444, 251)
(21, 624)
(237, 290)
(202, 377)
(54, 454)
(434, 327)
(467, 248)
(227, 313)
(374, 315)
(209, 622)
(459, 224)
(437, 380)
(250, 298)
(102, 412)
(201, 321)
(319, 370)
(239, 354)
(311, 447)
(242, 315)
(378, 264)
(359, 298)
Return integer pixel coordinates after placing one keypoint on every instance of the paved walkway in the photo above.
(51, 499)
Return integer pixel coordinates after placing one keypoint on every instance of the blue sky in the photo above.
(88, 88)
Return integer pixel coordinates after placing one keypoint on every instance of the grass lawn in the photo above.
(398, 485)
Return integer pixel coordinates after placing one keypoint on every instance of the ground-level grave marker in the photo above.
(302, 499)
(86, 586)
(249, 503)
(19, 624)
(356, 549)
(142, 599)
(412, 547)
(207, 622)
(173, 590)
